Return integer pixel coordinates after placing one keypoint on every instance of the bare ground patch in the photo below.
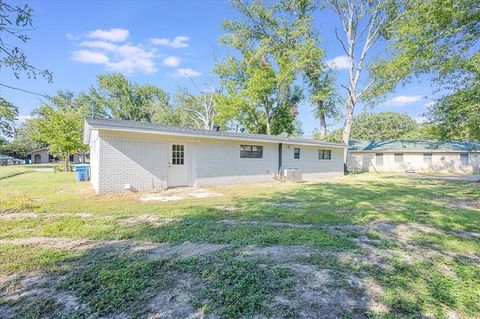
(177, 194)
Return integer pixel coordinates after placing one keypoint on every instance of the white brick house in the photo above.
(144, 156)
(456, 157)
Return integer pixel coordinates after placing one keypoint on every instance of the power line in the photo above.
(23, 90)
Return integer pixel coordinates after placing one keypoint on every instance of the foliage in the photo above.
(15, 21)
(190, 110)
(457, 116)
(259, 84)
(8, 115)
(22, 143)
(113, 284)
(438, 37)
(318, 79)
(126, 100)
(59, 124)
(378, 126)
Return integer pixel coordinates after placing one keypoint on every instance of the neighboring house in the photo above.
(419, 156)
(43, 156)
(129, 155)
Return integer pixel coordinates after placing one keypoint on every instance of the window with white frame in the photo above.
(324, 154)
(178, 154)
(296, 153)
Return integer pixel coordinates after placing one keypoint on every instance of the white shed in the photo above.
(143, 156)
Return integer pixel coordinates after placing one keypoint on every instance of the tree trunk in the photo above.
(347, 128)
(269, 130)
(323, 125)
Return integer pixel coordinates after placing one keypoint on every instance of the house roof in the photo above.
(135, 126)
(413, 146)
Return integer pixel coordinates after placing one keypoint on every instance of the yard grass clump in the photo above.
(16, 202)
(239, 288)
(13, 170)
(109, 284)
(18, 258)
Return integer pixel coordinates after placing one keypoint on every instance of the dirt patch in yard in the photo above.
(176, 194)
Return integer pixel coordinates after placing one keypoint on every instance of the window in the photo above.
(178, 154)
(427, 157)
(325, 154)
(251, 151)
(398, 157)
(296, 153)
(464, 159)
(379, 159)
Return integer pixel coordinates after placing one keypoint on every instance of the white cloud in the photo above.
(172, 61)
(177, 42)
(404, 100)
(113, 34)
(186, 72)
(99, 45)
(87, 56)
(130, 58)
(119, 58)
(340, 62)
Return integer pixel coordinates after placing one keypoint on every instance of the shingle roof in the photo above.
(187, 131)
(409, 145)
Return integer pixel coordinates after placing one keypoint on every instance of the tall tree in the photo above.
(198, 110)
(128, 101)
(259, 83)
(8, 115)
(441, 39)
(362, 23)
(15, 22)
(59, 124)
(319, 81)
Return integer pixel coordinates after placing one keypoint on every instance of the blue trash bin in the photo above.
(82, 172)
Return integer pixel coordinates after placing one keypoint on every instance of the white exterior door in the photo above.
(177, 165)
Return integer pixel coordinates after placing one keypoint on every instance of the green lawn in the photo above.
(358, 246)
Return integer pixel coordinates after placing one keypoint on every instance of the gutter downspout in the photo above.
(280, 170)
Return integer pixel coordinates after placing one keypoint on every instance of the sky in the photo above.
(165, 43)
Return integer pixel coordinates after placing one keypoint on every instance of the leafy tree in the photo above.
(318, 79)
(126, 100)
(197, 110)
(15, 22)
(439, 38)
(8, 115)
(379, 126)
(59, 124)
(260, 94)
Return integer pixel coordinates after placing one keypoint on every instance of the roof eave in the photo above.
(184, 134)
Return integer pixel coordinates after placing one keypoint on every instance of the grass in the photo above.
(13, 170)
(272, 250)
